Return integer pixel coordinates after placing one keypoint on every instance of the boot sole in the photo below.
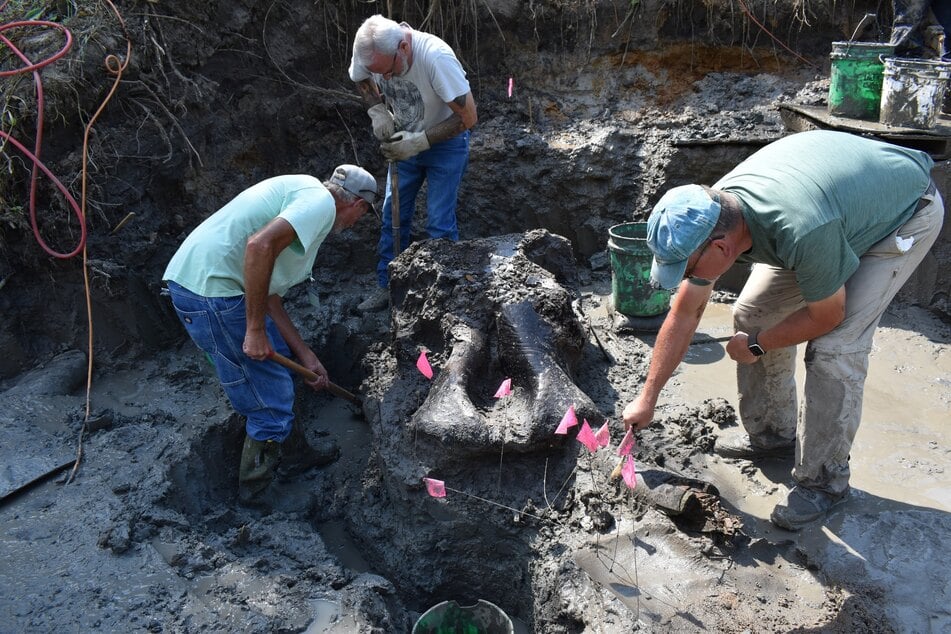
(778, 452)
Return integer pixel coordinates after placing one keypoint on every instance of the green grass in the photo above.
(53, 11)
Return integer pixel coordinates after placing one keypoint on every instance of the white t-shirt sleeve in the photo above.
(448, 78)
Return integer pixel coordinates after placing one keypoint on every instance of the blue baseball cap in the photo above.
(681, 220)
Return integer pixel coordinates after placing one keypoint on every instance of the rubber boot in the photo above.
(259, 460)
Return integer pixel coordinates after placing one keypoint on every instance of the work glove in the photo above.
(383, 124)
(404, 145)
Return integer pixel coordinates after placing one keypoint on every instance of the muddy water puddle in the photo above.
(340, 420)
(904, 434)
(340, 544)
(330, 619)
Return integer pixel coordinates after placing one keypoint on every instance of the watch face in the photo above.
(757, 350)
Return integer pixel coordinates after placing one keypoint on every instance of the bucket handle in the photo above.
(859, 25)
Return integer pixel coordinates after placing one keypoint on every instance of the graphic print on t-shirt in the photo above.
(405, 102)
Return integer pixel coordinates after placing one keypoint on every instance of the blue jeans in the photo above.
(442, 166)
(262, 391)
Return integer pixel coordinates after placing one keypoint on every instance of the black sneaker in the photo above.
(804, 506)
(741, 446)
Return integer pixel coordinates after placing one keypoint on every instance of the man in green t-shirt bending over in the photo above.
(834, 224)
(227, 281)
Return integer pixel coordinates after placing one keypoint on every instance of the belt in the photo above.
(927, 197)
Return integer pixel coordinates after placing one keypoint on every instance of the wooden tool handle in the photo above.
(332, 387)
(395, 206)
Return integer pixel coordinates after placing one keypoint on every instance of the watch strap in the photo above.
(753, 345)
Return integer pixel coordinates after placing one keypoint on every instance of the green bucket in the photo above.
(631, 289)
(449, 617)
(855, 83)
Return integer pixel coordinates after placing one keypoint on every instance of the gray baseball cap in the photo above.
(356, 180)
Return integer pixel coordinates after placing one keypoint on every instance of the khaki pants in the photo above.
(836, 363)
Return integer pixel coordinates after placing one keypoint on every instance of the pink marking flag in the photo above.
(603, 435)
(436, 488)
(628, 472)
(586, 437)
(511, 84)
(627, 444)
(422, 364)
(567, 421)
(505, 389)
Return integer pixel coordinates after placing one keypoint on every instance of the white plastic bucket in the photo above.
(913, 92)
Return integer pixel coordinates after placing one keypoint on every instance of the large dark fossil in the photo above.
(485, 310)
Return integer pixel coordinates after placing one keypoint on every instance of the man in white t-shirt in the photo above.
(227, 281)
(422, 109)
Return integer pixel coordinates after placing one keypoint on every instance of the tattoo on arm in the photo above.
(446, 129)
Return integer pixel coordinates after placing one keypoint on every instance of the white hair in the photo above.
(376, 35)
(340, 193)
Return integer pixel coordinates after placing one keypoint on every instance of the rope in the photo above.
(115, 67)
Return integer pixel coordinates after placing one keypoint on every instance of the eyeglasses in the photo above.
(688, 273)
(392, 70)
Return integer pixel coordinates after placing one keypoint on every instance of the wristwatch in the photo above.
(754, 347)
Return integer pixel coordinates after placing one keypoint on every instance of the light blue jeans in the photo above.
(442, 167)
(262, 391)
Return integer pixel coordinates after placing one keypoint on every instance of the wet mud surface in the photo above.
(147, 535)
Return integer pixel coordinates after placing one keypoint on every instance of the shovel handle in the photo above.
(395, 206)
(332, 387)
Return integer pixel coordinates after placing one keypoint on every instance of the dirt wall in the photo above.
(612, 102)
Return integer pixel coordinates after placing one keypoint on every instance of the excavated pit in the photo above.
(612, 104)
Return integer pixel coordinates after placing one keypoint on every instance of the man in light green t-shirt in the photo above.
(834, 224)
(227, 281)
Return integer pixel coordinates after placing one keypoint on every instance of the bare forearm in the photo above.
(669, 350)
(260, 253)
(672, 341)
(295, 342)
(286, 327)
(686, 309)
(463, 117)
(445, 130)
(369, 92)
(814, 320)
(797, 328)
(258, 265)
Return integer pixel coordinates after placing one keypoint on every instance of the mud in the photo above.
(612, 104)
(149, 537)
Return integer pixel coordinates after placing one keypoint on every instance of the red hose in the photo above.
(38, 165)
